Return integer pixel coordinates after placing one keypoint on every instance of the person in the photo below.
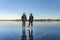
(31, 19)
(23, 18)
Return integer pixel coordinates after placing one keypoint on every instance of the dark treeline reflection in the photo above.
(30, 31)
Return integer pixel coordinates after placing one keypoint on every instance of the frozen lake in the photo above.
(39, 31)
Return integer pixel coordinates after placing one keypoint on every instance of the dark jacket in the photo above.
(23, 18)
(31, 19)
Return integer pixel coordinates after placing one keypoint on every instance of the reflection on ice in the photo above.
(39, 31)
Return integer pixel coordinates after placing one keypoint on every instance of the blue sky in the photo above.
(13, 9)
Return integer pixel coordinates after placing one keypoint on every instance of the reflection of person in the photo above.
(23, 18)
(23, 37)
(30, 34)
(31, 19)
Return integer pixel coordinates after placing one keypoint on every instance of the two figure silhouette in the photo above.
(24, 19)
(30, 31)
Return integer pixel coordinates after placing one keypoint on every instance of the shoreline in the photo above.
(33, 20)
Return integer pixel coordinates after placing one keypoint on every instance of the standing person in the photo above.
(23, 18)
(31, 19)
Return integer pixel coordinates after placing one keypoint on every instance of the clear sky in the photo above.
(11, 9)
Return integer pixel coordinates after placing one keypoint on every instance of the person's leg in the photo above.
(31, 24)
(23, 24)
